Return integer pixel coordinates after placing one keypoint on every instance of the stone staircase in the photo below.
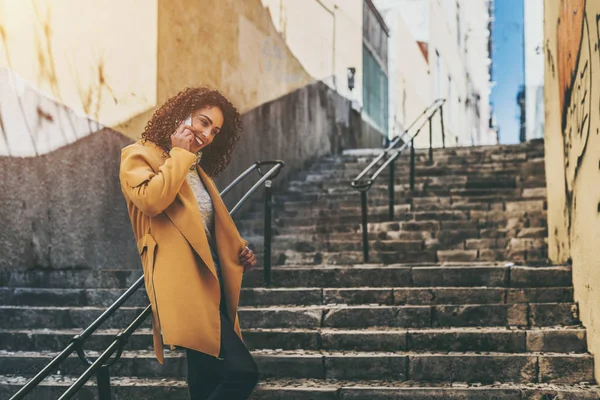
(457, 302)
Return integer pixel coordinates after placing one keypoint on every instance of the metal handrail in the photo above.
(392, 153)
(121, 339)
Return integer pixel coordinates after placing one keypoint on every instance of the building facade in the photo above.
(454, 63)
(534, 68)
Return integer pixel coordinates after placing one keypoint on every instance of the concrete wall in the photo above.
(99, 63)
(118, 72)
(572, 146)
(331, 45)
(60, 196)
(297, 128)
(233, 47)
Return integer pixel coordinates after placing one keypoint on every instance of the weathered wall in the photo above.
(456, 34)
(297, 128)
(411, 80)
(331, 45)
(99, 63)
(233, 47)
(62, 207)
(572, 145)
(65, 209)
(118, 73)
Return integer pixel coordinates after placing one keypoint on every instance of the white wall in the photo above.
(408, 75)
(68, 49)
(34, 124)
(457, 68)
(326, 38)
(534, 68)
(415, 14)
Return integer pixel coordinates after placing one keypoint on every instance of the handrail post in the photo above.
(268, 232)
(442, 124)
(430, 142)
(103, 382)
(391, 190)
(412, 165)
(363, 206)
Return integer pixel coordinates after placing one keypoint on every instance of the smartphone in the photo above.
(188, 121)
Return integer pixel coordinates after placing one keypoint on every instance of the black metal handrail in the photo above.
(98, 366)
(392, 153)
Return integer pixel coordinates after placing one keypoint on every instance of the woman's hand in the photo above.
(247, 258)
(183, 137)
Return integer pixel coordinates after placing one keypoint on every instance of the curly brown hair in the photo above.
(167, 118)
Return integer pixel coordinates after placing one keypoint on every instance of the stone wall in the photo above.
(63, 207)
(572, 146)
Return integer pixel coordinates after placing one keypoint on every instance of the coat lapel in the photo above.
(185, 215)
(229, 246)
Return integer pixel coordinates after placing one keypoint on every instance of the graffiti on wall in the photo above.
(577, 40)
(574, 52)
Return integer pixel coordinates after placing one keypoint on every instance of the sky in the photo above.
(507, 66)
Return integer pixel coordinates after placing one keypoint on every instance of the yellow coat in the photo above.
(179, 274)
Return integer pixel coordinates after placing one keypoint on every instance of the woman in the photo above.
(192, 254)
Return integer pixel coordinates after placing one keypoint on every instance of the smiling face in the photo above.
(208, 122)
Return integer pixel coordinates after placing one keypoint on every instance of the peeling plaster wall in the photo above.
(61, 204)
(326, 36)
(572, 147)
(118, 69)
(233, 47)
(89, 55)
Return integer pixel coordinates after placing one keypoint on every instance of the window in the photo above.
(375, 91)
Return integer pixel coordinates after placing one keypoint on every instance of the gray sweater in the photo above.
(206, 211)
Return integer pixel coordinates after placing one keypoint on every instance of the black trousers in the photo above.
(232, 378)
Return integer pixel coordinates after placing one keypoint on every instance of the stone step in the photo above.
(454, 181)
(72, 278)
(365, 316)
(402, 296)
(335, 316)
(407, 276)
(398, 366)
(492, 339)
(423, 158)
(431, 252)
(465, 160)
(333, 276)
(324, 208)
(402, 196)
(130, 388)
(518, 214)
(380, 223)
(68, 297)
(448, 238)
(436, 170)
(61, 297)
(417, 204)
(289, 257)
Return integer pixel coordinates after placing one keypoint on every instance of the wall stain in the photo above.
(4, 135)
(44, 52)
(574, 57)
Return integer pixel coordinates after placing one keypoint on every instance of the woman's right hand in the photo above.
(182, 137)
